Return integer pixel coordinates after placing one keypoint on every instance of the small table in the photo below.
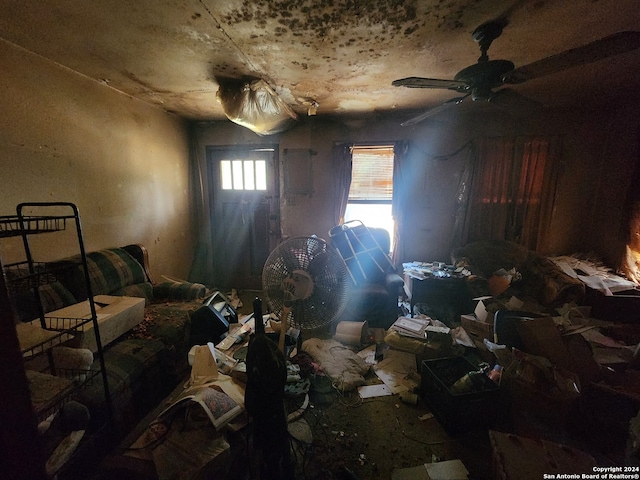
(446, 297)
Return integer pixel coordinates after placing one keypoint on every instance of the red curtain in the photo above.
(511, 190)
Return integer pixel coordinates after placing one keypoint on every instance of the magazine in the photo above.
(411, 326)
(219, 407)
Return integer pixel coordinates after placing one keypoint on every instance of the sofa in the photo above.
(144, 364)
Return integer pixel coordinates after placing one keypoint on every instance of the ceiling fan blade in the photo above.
(434, 111)
(419, 82)
(615, 44)
(508, 97)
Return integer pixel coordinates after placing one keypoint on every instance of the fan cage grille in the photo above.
(327, 271)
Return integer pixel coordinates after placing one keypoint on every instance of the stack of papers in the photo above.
(412, 326)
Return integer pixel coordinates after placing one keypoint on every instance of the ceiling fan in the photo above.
(478, 81)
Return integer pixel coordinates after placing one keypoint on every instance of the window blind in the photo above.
(372, 173)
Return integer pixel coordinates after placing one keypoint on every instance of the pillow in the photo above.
(179, 291)
(113, 269)
(109, 271)
(55, 296)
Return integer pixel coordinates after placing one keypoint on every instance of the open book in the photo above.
(219, 407)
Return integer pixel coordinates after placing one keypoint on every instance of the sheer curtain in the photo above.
(342, 180)
(342, 168)
(201, 266)
(508, 190)
(400, 198)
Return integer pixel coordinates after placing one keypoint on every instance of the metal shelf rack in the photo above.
(25, 278)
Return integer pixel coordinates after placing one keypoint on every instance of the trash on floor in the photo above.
(345, 368)
(398, 371)
(370, 391)
(447, 470)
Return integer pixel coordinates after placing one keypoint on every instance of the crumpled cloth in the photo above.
(346, 369)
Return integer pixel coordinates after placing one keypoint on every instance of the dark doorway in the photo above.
(245, 212)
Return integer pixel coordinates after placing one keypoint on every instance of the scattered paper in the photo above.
(514, 303)
(608, 356)
(574, 329)
(481, 311)
(397, 371)
(447, 470)
(368, 354)
(461, 337)
(410, 473)
(595, 336)
(370, 391)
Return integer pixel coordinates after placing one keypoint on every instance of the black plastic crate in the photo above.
(458, 412)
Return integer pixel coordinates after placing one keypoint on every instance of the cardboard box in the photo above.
(477, 330)
(486, 315)
(116, 316)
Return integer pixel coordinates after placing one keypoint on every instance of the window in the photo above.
(243, 174)
(371, 190)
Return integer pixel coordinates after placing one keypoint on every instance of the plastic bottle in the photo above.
(467, 383)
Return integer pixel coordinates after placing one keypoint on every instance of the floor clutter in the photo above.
(502, 365)
(419, 400)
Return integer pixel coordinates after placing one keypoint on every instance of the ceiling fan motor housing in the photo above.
(480, 78)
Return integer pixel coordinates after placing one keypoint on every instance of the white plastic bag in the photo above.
(204, 367)
(256, 106)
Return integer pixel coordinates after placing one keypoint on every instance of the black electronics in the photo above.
(210, 322)
(221, 303)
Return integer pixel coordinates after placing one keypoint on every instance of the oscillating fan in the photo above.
(306, 282)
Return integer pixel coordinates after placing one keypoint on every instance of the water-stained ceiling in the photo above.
(342, 54)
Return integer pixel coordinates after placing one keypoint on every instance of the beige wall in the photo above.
(64, 137)
(600, 146)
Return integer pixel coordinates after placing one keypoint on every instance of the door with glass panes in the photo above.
(245, 213)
